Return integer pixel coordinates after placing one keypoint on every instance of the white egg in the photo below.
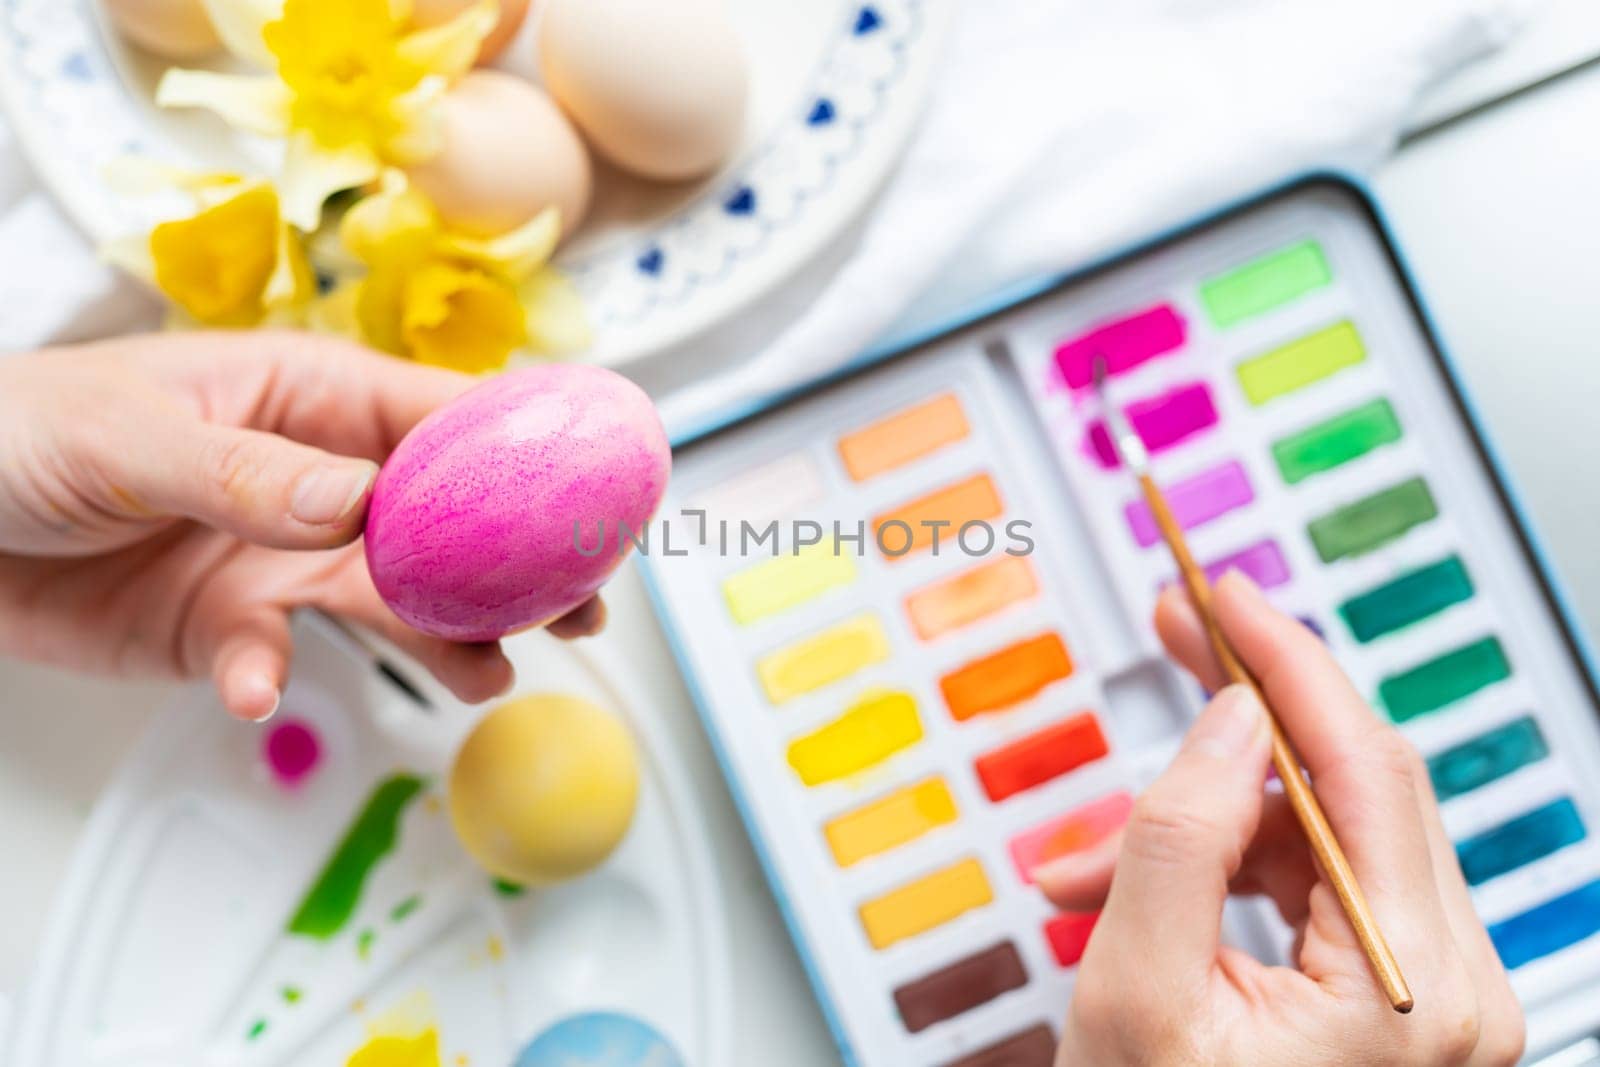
(172, 29)
(509, 153)
(512, 12)
(658, 87)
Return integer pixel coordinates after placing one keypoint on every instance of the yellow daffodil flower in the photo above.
(353, 89)
(439, 297)
(233, 262)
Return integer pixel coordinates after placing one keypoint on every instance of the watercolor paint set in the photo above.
(293, 894)
(913, 604)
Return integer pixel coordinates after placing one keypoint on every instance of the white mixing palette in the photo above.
(168, 946)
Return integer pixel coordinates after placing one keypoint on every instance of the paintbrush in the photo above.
(1129, 447)
(359, 644)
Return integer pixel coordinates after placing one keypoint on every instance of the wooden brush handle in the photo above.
(1287, 763)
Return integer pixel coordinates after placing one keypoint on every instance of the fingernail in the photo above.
(327, 495)
(1229, 726)
(1243, 583)
(258, 691)
(1177, 599)
(1054, 868)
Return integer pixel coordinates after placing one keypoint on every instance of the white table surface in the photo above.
(1499, 217)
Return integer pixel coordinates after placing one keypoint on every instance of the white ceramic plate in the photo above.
(836, 86)
(166, 946)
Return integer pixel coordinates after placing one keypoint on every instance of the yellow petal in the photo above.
(239, 23)
(335, 312)
(450, 48)
(312, 173)
(216, 264)
(326, 249)
(131, 254)
(282, 316)
(460, 317)
(419, 124)
(257, 103)
(292, 280)
(553, 312)
(337, 43)
(140, 176)
(393, 224)
(516, 254)
(379, 307)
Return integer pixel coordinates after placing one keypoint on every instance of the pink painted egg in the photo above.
(488, 517)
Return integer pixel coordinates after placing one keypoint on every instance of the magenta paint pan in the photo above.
(1160, 421)
(1194, 501)
(1125, 344)
(1263, 563)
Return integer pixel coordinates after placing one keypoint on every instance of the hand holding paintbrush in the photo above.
(1324, 845)
(1157, 985)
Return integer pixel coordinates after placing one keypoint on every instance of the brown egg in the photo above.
(512, 12)
(657, 87)
(172, 29)
(508, 154)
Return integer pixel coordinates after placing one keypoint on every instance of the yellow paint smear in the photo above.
(822, 658)
(902, 816)
(777, 585)
(880, 725)
(420, 1050)
(926, 903)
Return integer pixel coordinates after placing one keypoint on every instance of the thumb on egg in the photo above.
(258, 486)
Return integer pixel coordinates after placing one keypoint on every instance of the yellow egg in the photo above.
(657, 87)
(512, 12)
(544, 788)
(508, 154)
(172, 29)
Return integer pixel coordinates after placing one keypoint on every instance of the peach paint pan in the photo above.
(913, 605)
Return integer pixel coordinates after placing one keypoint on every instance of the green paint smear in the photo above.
(1265, 283)
(1372, 521)
(1445, 680)
(1300, 363)
(401, 910)
(364, 942)
(292, 994)
(332, 899)
(1487, 757)
(508, 889)
(1407, 599)
(257, 1028)
(1336, 441)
